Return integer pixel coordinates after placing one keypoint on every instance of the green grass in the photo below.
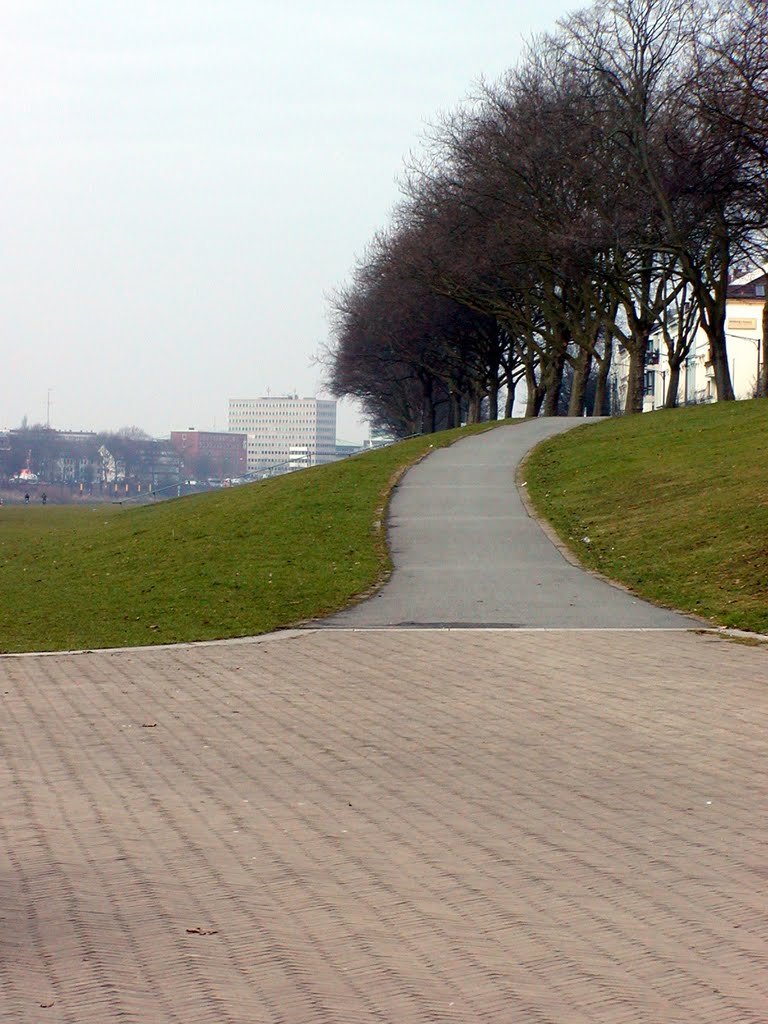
(229, 563)
(674, 503)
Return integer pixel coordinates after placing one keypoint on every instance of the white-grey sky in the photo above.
(182, 182)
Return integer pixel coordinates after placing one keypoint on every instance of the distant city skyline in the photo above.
(184, 183)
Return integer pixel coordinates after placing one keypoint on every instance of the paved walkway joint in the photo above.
(387, 826)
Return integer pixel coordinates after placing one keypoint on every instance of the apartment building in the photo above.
(746, 298)
(279, 428)
(210, 453)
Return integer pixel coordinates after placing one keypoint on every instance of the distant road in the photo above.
(465, 551)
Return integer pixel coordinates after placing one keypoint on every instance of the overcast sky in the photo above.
(183, 182)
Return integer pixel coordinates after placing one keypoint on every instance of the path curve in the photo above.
(466, 552)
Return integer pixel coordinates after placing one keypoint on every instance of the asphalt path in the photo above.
(466, 552)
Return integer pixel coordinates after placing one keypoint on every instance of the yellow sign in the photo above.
(742, 324)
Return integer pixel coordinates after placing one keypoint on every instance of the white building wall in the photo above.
(274, 426)
(743, 327)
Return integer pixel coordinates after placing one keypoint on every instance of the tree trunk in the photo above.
(718, 353)
(636, 378)
(673, 387)
(509, 401)
(493, 400)
(428, 422)
(719, 356)
(579, 383)
(553, 383)
(601, 390)
(473, 409)
(762, 384)
(454, 410)
(449, 424)
(535, 392)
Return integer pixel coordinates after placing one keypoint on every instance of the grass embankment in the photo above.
(674, 504)
(228, 563)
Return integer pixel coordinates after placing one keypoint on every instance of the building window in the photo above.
(649, 382)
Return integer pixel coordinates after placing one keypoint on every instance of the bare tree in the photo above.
(732, 95)
(133, 433)
(393, 337)
(595, 194)
(678, 330)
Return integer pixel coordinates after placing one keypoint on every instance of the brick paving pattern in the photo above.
(397, 826)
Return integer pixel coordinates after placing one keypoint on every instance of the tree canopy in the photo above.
(597, 193)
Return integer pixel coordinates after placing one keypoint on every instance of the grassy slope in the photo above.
(674, 503)
(228, 563)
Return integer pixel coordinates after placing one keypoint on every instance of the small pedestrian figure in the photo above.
(44, 497)
(26, 498)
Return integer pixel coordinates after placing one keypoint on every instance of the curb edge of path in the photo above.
(293, 629)
(573, 559)
(381, 528)
(288, 633)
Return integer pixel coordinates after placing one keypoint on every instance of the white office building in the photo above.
(285, 431)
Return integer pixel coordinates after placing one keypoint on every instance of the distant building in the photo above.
(77, 436)
(210, 454)
(50, 455)
(379, 438)
(347, 448)
(285, 432)
(746, 298)
(160, 466)
(299, 456)
(83, 462)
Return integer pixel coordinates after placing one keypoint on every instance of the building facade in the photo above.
(285, 432)
(746, 299)
(87, 463)
(209, 454)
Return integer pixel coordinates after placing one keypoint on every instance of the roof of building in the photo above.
(746, 286)
(749, 276)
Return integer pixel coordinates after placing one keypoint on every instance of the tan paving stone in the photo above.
(387, 826)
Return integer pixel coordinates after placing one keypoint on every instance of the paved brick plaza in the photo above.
(390, 826)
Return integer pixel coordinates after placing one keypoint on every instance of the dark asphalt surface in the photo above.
(466, 552)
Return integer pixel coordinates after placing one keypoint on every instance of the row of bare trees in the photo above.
(598, 194)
